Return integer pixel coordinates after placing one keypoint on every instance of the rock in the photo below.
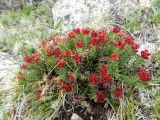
(79, 13)
(8, 69)
(10, 4)
(75, 117)
(15, 4)
(145, 3)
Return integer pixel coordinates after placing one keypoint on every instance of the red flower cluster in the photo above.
(70, 53)
(94, 42)
(102, 36)
(85, 31)
(128, 39)
(20, 76)
(43, 45)
(97, 37)
(120, 44)
(23, 66)
(135, 47)
(78, 59)
(79, 44)
(50, 52)
(60, 63)
(68, 87)
(104, 75)
(145, 54)
(28, 59)
(104, 69)
(36, 56)
(56, 51)
(118, 92)
(100, 95)
(77, 30)
(114, 57)
(71, 35)
(94, 34)
(144, 75)
(93, 79)
(116, 29)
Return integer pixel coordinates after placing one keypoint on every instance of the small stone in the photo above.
(75, 117)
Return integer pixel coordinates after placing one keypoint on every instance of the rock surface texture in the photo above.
(8, 69)
(77, 13)
(15, 4)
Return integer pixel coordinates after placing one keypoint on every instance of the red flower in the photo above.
(93, 79)
(102, 32)
(24, 66)
(114, 57)
(43, 42)
(20, 77)
(118, 92)
(85, 31)
(77, 30)
(120, 44)
(70, 53)
(43, 47)
(128, 39)
(71, 77)
(100, 96)
(116, 29)
(144, 75)
(145, 54)
(79, 44)
(71, 35)
(68, 87)
(102, 39)
(94, 42)
(103, 70)
(57, 51)
(135, 47)
(106, 79)
(78, 59)
(28, 59)
(52, 38)
(50, 52)
(63, 55)
(94, 34)
(60, 63)
(36, 56)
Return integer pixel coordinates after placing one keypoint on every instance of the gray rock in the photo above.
(8, 69)
(15, 4)
(75, 117)
(10, 4)
(79, 13)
